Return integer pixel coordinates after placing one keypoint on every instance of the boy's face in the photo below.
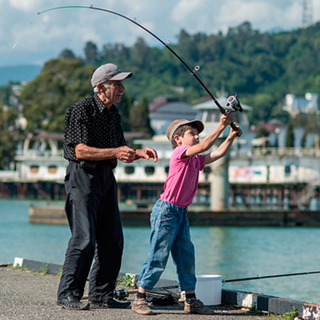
(190, 138)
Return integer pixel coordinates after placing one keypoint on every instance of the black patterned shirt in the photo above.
(89, 121)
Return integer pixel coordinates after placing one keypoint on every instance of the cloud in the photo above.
(26, 37)
(26, 5)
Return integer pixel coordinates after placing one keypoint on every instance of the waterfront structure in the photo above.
(41, 158)
(307, 104)
(251, 177)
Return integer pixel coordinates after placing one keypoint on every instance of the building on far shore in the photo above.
(297, 105)
(163, 110)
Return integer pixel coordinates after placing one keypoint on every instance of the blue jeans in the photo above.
(169, 232)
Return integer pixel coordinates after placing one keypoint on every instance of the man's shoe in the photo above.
(73, 303)
(140, 306)
(110, 303)
(196, 306)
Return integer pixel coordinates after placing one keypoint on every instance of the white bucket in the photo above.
(209, 288)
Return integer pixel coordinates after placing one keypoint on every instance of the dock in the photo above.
(197, 217)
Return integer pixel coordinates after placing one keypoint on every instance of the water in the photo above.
(233, 252)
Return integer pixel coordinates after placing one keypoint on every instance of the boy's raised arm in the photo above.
(208, 141)
(224, 147)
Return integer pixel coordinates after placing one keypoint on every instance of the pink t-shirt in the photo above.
(182, 182)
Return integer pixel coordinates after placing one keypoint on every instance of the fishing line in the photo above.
(15, 44)
(192, 71)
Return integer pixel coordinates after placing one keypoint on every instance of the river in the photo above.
(233, 252)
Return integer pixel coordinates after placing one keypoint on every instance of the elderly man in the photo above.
(93, 142)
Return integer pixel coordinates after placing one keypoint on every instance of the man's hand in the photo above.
(125, 154)
(147, 153)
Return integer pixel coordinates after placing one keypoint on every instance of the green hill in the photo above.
(260, 67)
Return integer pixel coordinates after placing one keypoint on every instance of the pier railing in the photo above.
(262, 152)
(245, 152)
(32, 154)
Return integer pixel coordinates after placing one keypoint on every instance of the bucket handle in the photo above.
(223, 282)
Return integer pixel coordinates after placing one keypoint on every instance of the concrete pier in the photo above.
(197, 217)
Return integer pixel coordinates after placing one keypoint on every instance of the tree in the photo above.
(187, 46)
(91, 53)
(67, 54)
(262, 106)
(304, 140)
(58, 86)
(140, 55)
(9, 133)
(262, 132)
(290, 136)
(116, 53)
(124, 107)
(139, 117)
(5, 94)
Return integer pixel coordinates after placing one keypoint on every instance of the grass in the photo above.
(128, 280)
(43, 270)
(59, 274)
(286, 316)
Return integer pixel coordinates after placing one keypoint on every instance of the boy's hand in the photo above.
(235, 133)
(226, 119)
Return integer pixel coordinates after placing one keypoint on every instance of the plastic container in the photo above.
(209, 288)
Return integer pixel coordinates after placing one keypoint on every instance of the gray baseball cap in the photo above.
(180, 122)
(107, 72)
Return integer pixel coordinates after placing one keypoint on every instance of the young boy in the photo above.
(169, 222)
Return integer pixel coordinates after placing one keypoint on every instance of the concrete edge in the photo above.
(307, 311)
(37, 266)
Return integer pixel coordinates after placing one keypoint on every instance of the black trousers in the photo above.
(96, 232)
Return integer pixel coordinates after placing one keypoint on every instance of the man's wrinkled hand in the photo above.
(125, 154)
(147, 153)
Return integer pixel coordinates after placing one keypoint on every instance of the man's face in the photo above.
(113, 91)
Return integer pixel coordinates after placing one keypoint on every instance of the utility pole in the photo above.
(307, 13)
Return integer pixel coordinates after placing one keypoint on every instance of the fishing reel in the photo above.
(121, 294)
(234, 102)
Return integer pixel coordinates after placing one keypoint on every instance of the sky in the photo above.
(27, 37)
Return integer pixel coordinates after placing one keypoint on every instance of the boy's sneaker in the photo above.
(196, 306)
(140, 306)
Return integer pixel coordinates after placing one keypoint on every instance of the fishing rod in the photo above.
(123, 293)
(273, 276)
(233, 100)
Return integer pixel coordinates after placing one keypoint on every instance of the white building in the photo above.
(307, 104)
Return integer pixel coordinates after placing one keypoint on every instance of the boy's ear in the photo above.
(177, 139)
